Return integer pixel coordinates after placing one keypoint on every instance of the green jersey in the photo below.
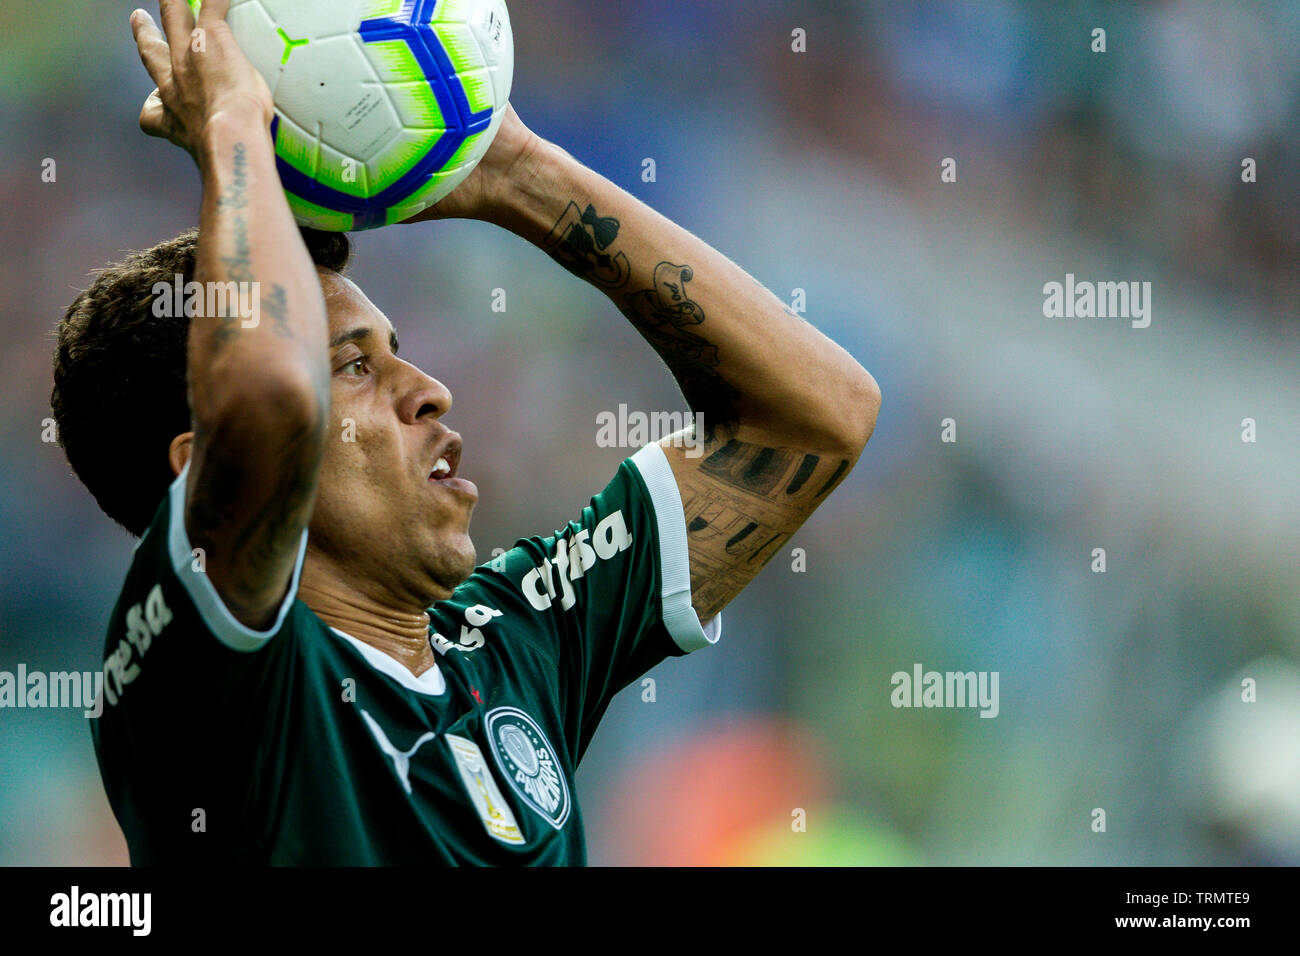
(303, 745)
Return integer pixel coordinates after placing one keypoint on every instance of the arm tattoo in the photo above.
(239, 263)
(752, 501)
(746, 500)
(580, 240)
(252, 499)
(238, 269)
(666, 315)
(268, 536)
(235, 195)
(278, 309)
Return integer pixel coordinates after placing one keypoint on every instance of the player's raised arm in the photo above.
(258, 372)
(787, 411)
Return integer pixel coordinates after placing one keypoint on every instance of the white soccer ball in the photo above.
(382, 107)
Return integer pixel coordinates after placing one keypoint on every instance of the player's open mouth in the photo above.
(446, 457)
(444, 474)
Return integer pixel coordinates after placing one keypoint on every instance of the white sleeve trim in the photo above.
(674, 557)
(219, 620)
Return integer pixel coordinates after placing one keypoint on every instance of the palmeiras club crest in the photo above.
(529, 764)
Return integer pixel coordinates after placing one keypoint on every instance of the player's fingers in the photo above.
(152, 46)
(213, 10)
(153, 116)
(177, 20)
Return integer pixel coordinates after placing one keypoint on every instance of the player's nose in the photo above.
(424, 396)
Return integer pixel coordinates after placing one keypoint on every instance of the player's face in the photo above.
(392, 513)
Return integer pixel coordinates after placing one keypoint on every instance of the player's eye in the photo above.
(356, 366)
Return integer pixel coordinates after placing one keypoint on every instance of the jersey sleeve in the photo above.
(166, 554)
(169, 614)
(605, 598)
(181, 676)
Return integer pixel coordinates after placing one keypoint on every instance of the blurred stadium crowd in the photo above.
(817, 171)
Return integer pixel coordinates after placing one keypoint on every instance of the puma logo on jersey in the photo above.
(401, 758)
(574, 557)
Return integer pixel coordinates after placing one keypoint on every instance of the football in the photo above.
(382, 106)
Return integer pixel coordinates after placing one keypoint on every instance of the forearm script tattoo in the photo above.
(255, 490)
(238, 264)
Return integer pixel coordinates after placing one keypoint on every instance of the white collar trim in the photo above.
(430, 683)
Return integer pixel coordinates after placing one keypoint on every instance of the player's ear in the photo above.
(179, 452)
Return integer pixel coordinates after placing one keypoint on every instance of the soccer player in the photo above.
(304, 665)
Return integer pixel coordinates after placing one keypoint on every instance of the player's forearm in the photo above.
(739, 354)
(271, 335)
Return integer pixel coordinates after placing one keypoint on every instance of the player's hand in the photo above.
(487, 189)
(199, 70)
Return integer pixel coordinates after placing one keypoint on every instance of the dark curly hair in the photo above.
(120, 375)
